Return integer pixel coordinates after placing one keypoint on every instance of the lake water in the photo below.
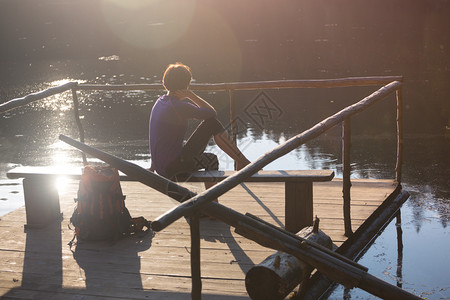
(60, 42)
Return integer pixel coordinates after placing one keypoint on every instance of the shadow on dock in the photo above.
(103, 269)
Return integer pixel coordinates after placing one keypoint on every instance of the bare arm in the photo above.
(196, 99)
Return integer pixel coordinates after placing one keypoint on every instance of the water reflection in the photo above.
(398, 225)
(410, 259)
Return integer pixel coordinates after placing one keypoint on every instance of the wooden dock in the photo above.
(38, 263)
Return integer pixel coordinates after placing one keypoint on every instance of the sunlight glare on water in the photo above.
(59, 102)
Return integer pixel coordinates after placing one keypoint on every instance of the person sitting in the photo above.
(169, 118)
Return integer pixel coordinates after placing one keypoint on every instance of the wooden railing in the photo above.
(335, 267)
(389, 83)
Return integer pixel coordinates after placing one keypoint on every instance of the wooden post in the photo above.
(298, 205)
(346, 183)
(233, 119)
(41, 208)
(196, 292)
(233, 116)
(398, 166)
(76, 111)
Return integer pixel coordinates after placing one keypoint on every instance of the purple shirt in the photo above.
(168, 126)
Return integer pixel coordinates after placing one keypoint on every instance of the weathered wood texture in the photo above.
(17, 102)
(200, 176)
(76, 114)
(399, 163)
(346, 172)
(38, 263)
(276, 276)
(298, 189)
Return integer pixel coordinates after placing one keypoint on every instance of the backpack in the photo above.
(100, 212)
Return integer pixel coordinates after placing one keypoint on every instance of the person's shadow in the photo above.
(222, 234)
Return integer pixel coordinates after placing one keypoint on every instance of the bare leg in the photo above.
(225, 143)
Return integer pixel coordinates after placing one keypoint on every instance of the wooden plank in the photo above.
(55, 171)
(201, 176)
(266, 176)
(160, 265)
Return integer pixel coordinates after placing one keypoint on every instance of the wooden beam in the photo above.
(17, 102)
(76, 111)
(258, 85)
(398, 166)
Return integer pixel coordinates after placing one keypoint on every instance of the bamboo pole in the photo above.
(398, 166)
(275, 84)
(346, 183)
(330, 265)
(219, 189)
(17, 102)
(76, 111)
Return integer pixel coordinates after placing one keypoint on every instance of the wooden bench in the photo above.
(42, 200)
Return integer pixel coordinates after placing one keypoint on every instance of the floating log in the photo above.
(276, 276)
